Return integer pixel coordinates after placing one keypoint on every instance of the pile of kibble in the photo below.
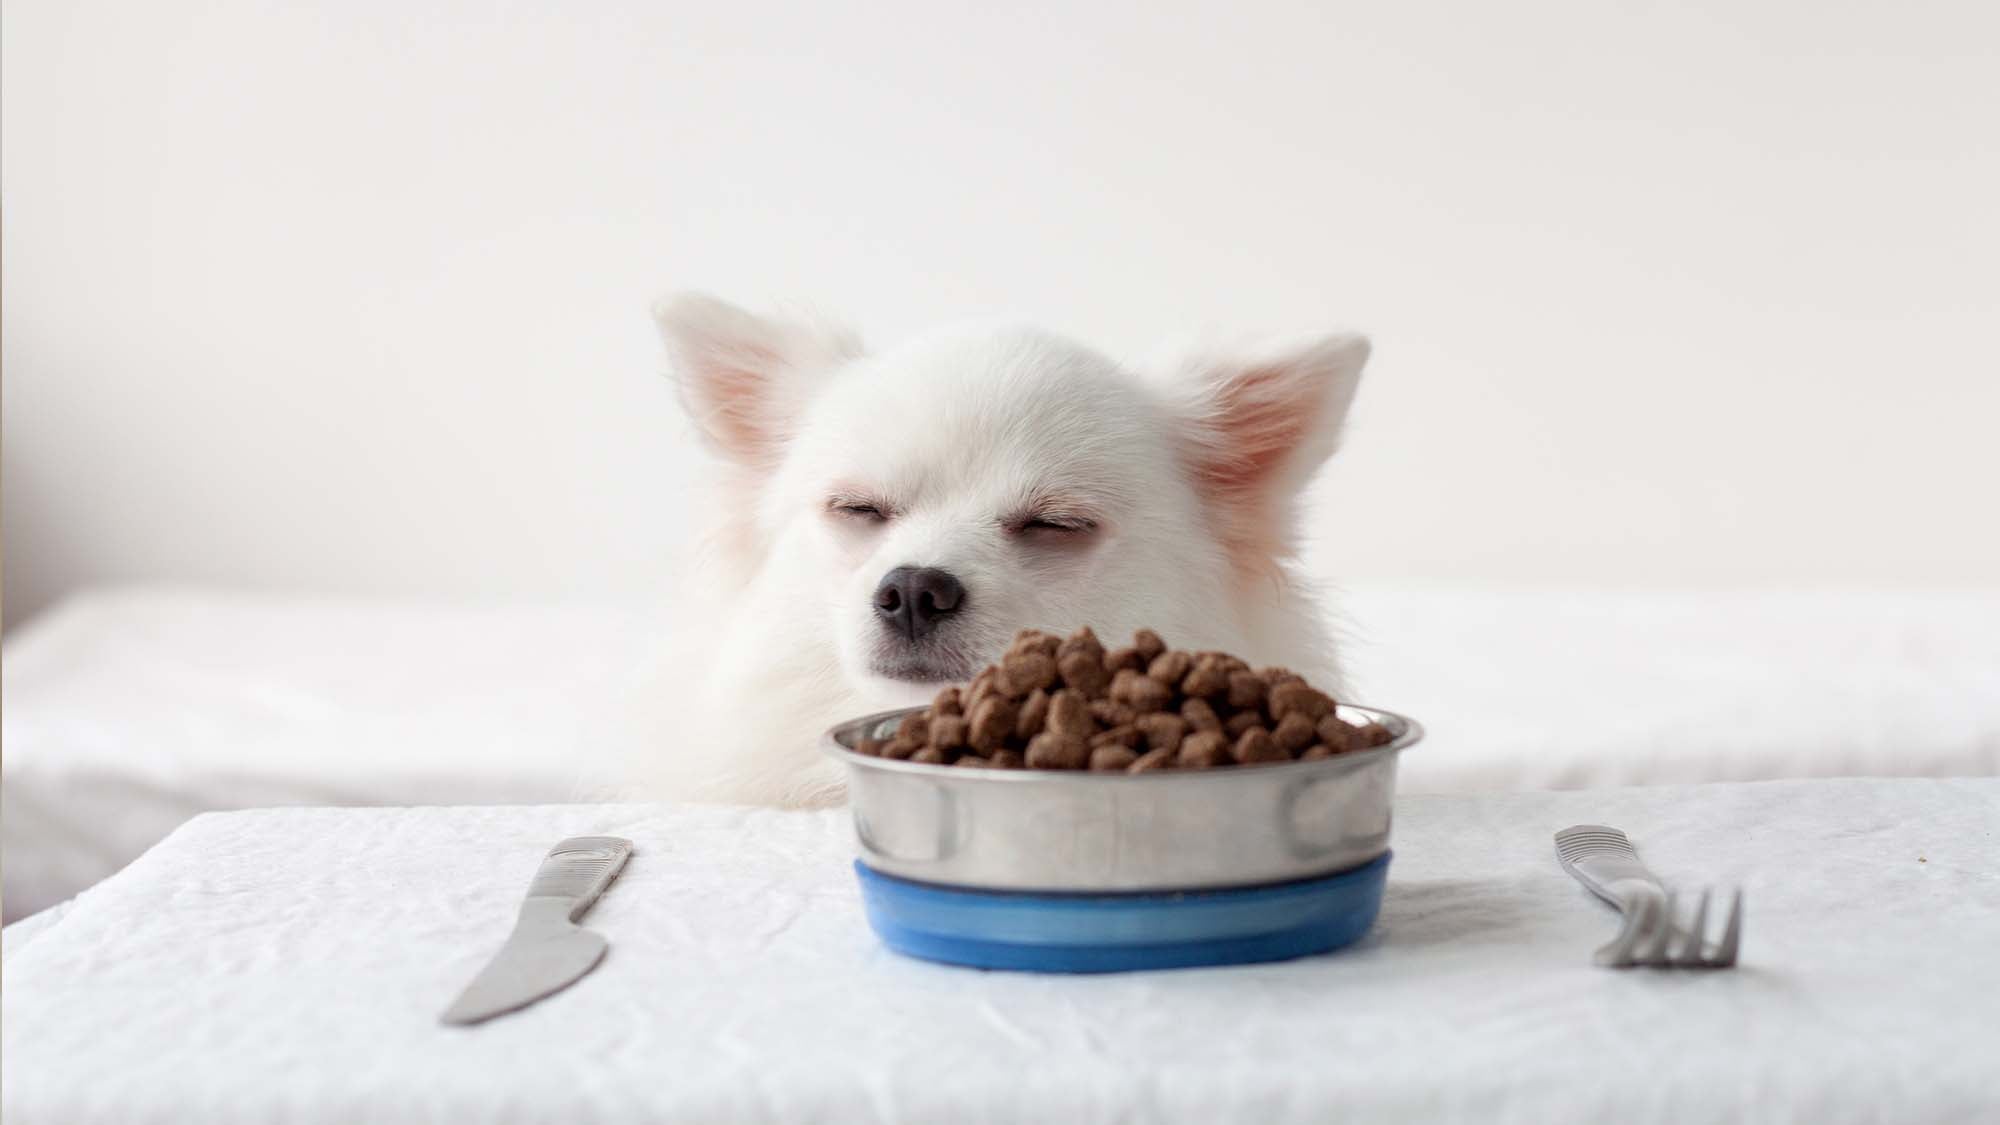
(1056, 703)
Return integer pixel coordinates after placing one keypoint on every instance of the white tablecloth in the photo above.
(130, 711)
(290, 964)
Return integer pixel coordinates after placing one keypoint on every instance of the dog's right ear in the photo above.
(744, 378)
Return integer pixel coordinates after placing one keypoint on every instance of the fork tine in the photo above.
(1654, 951)
(1732, 933)
(1691, 954)
(1637, 926)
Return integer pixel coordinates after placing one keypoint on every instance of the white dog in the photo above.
(886, 523)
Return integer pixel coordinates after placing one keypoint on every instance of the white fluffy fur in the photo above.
(1191, 475)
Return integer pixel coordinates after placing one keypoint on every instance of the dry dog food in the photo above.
(1065, 703)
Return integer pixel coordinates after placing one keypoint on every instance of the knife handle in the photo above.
(578, 869)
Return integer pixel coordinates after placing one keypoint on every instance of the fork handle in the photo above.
(1603, 859)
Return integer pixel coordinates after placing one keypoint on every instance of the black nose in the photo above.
(912, 600)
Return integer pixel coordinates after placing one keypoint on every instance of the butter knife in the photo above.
(548, 951)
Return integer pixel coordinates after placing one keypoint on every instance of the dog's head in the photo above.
(916, 508)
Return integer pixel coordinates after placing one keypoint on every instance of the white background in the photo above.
(350, 297)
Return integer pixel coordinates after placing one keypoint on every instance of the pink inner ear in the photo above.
(1258, 422)
(736, 402)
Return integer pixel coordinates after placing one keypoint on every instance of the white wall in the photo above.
(351, 296)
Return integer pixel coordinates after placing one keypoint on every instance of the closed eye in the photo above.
(1052, 525)
(857, 508)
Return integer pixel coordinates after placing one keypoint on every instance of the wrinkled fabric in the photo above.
(130, 711)
(289, 964)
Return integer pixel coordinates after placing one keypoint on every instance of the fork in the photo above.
(1603, 859)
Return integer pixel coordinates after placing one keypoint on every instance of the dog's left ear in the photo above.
(1260, 424)
(744, 378)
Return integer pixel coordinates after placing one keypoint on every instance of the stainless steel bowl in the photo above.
(1050, 830)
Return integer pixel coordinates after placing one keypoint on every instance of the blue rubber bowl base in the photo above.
(1107, 933)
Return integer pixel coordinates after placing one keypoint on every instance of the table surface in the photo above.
(129, 711)
(290, 964)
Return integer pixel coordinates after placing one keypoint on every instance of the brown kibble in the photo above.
(869, 747)
(1200, 716)
(1256, 746)
(1023, 672)
(1170, 668)
(1297, 695)
(1111, 758)
(1149, 644)
(1126, 736)
(1084, 641)
(1208, 678)
(949, 732)
(1051, 751)
(1247, 691)
(982, 682)
(1335, 733)
(1119, 659)
(1033, 716)
(992, 722)
(1035, 640)
(1084, 671)
(1110, 713)
(1272, 677)
(1069, 714)
(1064, 703)
(984, 686)
(1163, 730)
(1140, 693)
(1293, 733)
(1202, 750)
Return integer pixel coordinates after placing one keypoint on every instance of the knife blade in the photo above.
(547, 951)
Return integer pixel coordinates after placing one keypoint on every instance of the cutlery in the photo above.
(547, 951)
(1603, 859)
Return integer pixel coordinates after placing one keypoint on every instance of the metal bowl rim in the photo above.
(1413, 733)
